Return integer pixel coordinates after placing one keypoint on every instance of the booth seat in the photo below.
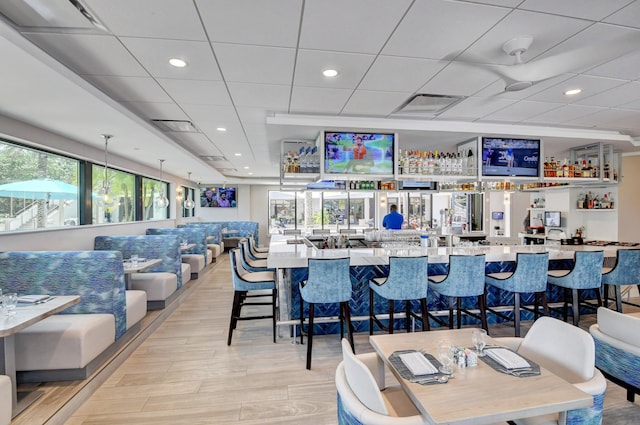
(214, 237)
(162, 282)
(5, 400)
(72, 344)
(243, 229)
(198, 257)
(617, 338)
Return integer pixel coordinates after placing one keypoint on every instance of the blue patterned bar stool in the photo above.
(250, 263)
(625, 272)
(586, 274)
(530, 276)
(328, 282)
(244, 285)
(407, 281)
(465, 279)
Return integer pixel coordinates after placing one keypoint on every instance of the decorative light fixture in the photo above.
(106, 197)
(162, 201)
(189, 203)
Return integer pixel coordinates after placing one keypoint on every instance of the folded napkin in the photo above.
(32, 298)
(507, 358)
(418, 364)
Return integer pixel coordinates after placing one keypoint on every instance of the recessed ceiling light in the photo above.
(221, 129)
(330, 72)
(251, 174)
(246, 167)
(237, 154)
(177, 62)
(572, 92)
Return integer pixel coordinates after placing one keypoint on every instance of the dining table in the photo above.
(479, 394)
(26, 314)
(138, 267)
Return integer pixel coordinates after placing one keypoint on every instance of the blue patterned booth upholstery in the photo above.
(197, 257)
(617, 338)
(213, 234)
(68, 345)
(244, 228)
(160, 282)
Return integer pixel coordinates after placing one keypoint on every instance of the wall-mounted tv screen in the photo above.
(417, 185)
(506, 157)
(351, 153)
(497, 215)
(552, 218)
(219, 197)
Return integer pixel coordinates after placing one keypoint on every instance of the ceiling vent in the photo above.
(180, 126)
(51, 14)
(213, 158)
(428, 104)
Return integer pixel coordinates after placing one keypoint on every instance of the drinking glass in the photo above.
(479, 339)
(445, 353)
(185, 242)
(10, 302)
(134, 260)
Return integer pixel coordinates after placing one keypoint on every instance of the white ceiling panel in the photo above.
(563, 114)
(424, 34)
(263, 23)
(392, 73)
(196, 91)
(459, 79)
(594, 10)
(319, 100)
(521, 111)
(473, 107)
(589, 85)
(159, 111)
(362, 26)
(497, 88)
(505, 3)
(174, 19)
(311, 63)
(625, 68)
(154, 55)
(255, 64)
(213, 115)
(249, 115)
(131, 89)
(632, 105)
(268, 96)
(604, 118)
(617, 96)
(629, 16)
(375, 103)
(90, 54)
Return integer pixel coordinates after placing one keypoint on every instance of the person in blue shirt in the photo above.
(394, 219)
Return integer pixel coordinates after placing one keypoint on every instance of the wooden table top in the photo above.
(142, 265)
(28, 314)
(478, 395)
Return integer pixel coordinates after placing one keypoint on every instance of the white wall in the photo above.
(628, 202)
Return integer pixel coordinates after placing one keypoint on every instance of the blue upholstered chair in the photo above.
(407, 281)
(244, 284)
(255, 248)
(251, 250)
(250, 263)
(465, 279)
(328, 282)
(586, 274)
(625, 272)
(530, 276)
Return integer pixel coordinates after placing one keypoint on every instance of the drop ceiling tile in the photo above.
(459, 79)
(362, 26)
(616, 96)
(197, 143)
(196, 91)
(90, 54)
(426, 33)
(131, 89)
(174, 19)
(255, 64)
(351, 68)
(212, 115)
(629, 16)
(253, 115)
(505, 3)
(594, 10)
(521, 111)
(319, 100)
(154, 55)
(632, 105)
(374, 103)
(473, 107)
(563, 114)
(392, 73)
(604, 118)
(497, 88)
(154, 110)
(589, 85)
(264, 23)
(260, 95)
(627, 119)
(625, 68)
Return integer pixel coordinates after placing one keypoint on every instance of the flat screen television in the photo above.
(219, 197)
(360, 154)
(417, 185)
(508, 157)
(552, 218)
(497, 215)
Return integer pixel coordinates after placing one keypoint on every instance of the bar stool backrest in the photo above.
(328, 281)
(407, 278)
(626, 270)
(531, 272)
(587, 270)
(465, 277)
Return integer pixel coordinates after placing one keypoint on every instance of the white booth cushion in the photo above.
(196, 261)
(136, 306)
(186, 273)
(158, 285)
(5, 400)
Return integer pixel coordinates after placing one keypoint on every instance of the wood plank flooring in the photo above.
(184, 373)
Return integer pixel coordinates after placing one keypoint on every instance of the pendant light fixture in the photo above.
(106, 197)
(189, 203)
(162, 201)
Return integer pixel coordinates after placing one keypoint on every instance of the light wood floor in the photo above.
(184, 373)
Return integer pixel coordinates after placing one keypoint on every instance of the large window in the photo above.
(188, 201)
(152, 193)
(37, 189)
(113, 199)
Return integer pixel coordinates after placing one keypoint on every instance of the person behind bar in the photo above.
(394, 219)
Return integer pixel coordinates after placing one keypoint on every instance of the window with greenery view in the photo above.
(117, 205)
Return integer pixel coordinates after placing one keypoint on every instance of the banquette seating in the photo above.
(241, 229)
(198, 257)
(5, 400)
(214, 237)
(162, 282)
(617, 339)
(72, 344)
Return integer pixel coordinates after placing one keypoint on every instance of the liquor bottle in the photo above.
(606, 171)
(471, 163)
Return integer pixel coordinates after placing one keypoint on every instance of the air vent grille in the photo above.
(181, 126)
(213, 158)
(428, 104)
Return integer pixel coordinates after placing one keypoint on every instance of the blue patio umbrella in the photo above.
(39, 189)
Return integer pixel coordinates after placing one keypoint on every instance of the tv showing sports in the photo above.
(359, 153)
(507, 157)
(218, 197)
(552, 218)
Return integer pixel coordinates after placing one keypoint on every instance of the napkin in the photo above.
(507, 358)
(417, 363)
(32, 298)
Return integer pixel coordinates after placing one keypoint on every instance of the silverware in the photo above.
(443, 379)
(520, 372)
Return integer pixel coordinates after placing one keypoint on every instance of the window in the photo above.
(188, 195)
(119, 207)
(37, 189)
(152, 192)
